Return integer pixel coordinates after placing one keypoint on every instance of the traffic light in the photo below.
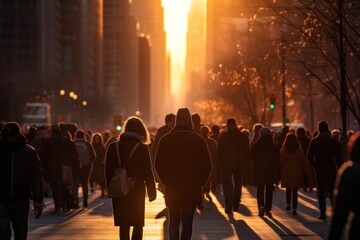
(272, 103)
(118, 122)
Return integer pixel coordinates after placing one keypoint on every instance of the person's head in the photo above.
(170, 120)
(10, 132)
(96, 138)
(354, 147)
(285, 130)
(195, 117)
(265, 131)
(231, 123)
(80, 134)
(204, 131)
(136, 125)
(335, 134)
(300, 132)
(323, 127)
(349, 133)
(257, 127)
(291, 143)
(215, 129)
(183, 118)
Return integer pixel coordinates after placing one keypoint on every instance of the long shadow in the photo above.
(161, 214)
(243, 209)
(280, 228)
(242, 229)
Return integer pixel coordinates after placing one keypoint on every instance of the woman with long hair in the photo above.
(135, 158)
(98, 170)
(296, 171)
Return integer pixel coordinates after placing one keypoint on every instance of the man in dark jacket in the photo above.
(325, 156)
(20, 179)
(347, 195)
(233, 156)
(183, 164)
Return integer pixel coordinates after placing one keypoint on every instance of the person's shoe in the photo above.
(85, 204)
(236, 208)
(261, 211)
(322, 216)
(228, 209)
(288, 208)
(294, 212)
(268, 214)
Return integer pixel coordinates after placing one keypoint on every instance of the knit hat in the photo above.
(265, 131)
(10, 129)
(183, 118)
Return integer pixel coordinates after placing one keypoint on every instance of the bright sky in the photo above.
(176, 12)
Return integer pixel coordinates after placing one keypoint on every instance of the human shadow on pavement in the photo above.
(243, 209)
(243, 230)
(101, 206)
(164, 214)
(280, 228)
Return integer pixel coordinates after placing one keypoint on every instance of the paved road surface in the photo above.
(96, 222)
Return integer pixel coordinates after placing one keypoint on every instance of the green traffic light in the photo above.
(272, 106)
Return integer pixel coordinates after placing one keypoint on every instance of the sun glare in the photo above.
(176, 13)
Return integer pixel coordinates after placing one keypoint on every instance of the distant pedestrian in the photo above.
(215, 132)
(296, 171)
(325, 156)
(87, 157)
(256, 133)
(233, 156)
(346, 194)
(265, 155)
(304, 141)
(97, 174)
(196, 119)
(130, 210)
(21, 180)
(183, 163)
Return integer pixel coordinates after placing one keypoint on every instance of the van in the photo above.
(36, 114)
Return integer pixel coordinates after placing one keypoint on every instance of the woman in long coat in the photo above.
(265, 156)
(130, 210)
(98, 171)
(296, 171)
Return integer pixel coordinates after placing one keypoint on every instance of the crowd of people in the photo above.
(187, 159)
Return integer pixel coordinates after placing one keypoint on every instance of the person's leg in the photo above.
(238, 178)
(288, 198)
(228, 188)
(187, 219)
(330, 188)
(56, 192)
(174, 222)
(84, 178)
(260, 199)
(124, 232)
(269, 198)
(295, 198)
(322, 201)
(19, 212)
(5, 230)
(137, 233)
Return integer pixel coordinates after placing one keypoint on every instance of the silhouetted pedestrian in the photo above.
(346, 194)
(183, 163)
(130, 210)
(20, 179)
(325, 156)
(97, 174)
(265, 155)
(233, 156)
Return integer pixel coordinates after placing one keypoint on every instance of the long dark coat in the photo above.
(325, 156)
(183, 164)
(130, 210)
(296, 171)
(265, 155)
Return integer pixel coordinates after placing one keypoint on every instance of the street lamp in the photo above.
(71, 94)
(62, 92)
(84, 103)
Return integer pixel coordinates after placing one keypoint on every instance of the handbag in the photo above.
(121, 184)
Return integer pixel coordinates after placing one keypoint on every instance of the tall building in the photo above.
(81, 53)
(144, 77)
(120, 59)
(150, 15)
(195, 52)
(29, 54)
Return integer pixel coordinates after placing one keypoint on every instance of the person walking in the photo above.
(265, 155)
(21, 180)
(347, 197)
(296, 171)
(98, 171)
(130, 210)
(87, 157)
(325, 156)
(183, 164)
(233, 156)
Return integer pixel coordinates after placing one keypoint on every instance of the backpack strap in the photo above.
(130, 155)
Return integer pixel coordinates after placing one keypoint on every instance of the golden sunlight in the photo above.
(176, 13)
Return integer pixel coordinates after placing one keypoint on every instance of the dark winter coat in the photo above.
(161, 132)
(296, 171)
(265, 156)
(130, 210)
(183, 164)
(98, 170)
(20, 172)
(325, 156)
(233, 149)
(347, 199)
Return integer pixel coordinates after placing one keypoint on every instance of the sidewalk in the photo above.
(96, 222)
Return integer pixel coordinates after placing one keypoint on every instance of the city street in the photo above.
(96, 221)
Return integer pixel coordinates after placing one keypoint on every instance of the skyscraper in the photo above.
(144, 77)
